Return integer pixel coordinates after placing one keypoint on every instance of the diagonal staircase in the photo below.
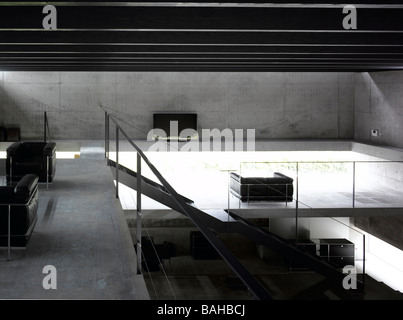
(228, 222)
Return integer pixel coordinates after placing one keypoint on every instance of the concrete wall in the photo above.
(378, 101)
(389, 229)
(276, 105)
(385, 176)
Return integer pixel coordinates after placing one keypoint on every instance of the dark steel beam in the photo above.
(205, 36)
(294, 18)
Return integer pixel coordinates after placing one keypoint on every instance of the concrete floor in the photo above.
(81, 231)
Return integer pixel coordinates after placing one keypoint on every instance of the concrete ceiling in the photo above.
(205, 36)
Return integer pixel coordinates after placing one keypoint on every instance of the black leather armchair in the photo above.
(20, 203)
(37, 158)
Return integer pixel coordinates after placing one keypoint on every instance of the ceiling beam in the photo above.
(191, 36)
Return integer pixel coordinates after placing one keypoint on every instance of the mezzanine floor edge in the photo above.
(82, 232)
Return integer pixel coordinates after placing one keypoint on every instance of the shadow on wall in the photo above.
(276, 105)
(14, 115)
(24, 97)
(379, 108)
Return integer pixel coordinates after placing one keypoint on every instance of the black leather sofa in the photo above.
(277, 188)
(22, 200)
(37, 158)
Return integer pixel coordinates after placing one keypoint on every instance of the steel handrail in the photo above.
(257, 289)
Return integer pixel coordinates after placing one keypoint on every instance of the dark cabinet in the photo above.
(305, 245)
(339, 252)
(150, 260)
(201, 248)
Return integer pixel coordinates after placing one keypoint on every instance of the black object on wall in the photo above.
(2, 134)
(166, 122)
(13, 134)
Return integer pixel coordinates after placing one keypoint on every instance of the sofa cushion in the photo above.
(24, 188)
(283, 177)
(12, 149)
(34, 147)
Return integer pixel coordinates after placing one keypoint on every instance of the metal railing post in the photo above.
(138, 220)
(229, 171)
(296, 205)
(117, 162)
(106, 126)
(353, 184)
(9, 233)
(47, 172)
(106, 135)
(363, 261)
(229, 195)
(11, 169)
(44, 126)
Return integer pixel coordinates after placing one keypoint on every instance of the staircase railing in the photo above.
(198, 217)
(254, 286)
(46, 130)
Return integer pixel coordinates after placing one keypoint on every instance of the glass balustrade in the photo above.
(316, 212)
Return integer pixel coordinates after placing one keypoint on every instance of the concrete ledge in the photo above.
(169, 218)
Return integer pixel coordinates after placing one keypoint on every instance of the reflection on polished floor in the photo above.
(184, 278)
